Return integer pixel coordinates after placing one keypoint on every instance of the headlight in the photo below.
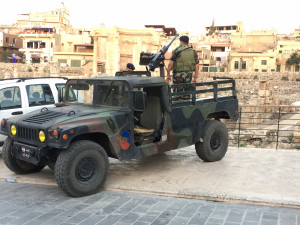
(42, 136)
(13, 130)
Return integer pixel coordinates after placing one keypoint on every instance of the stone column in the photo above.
(95, 61)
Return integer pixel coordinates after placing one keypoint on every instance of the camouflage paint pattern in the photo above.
(181, 125)
(184, 77)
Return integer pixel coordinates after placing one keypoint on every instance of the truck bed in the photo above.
(200, 93)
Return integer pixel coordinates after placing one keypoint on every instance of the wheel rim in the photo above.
(85, 170)
(215, 142)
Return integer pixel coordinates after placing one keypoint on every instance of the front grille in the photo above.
(28, 134)
(43, 117)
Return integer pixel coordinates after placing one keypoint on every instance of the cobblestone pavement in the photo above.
(34, 204)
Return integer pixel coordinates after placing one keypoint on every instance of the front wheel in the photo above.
(16, 165)
(82, 168)
(215, 141)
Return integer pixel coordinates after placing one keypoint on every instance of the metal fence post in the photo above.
(278, 125)
(240, 119)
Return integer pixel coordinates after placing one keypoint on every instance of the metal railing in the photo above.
(266, 127)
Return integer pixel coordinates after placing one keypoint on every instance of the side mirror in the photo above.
(139, 100)
(61, 92)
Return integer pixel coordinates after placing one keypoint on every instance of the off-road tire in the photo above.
(16, 165)
(215, 141)
(82, 168)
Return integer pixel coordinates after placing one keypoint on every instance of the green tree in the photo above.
(293, 60)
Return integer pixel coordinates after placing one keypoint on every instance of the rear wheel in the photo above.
(14, 164)
(82, 168)
(215, 141)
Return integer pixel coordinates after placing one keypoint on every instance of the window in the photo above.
(10, 98)
(296, 68)
(60, 86)
(263, 62)
(42, 45)
(62, 61)
(287, 68)
(112, 93)
(256, 70)
(244, 65)
(272, 70)
(29, 44)
(14, 41)
(278, 68)
(39, 94)
(236, 64)
(286, 52)
(264, 71)
(204, 69)
(75, 63)
(7, 39)
(280, 51)
(51, 44)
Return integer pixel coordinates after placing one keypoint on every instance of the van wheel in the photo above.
(16, 165)
(82, 168)
(215, 141)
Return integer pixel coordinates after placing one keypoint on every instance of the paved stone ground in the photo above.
(245, 175)
(35, 204)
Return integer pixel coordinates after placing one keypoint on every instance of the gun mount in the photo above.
(155, 60)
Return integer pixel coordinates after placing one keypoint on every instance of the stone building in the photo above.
(297, 33)
(9, 46)
(76, 48)
(222, 33)
(256, 41)
(253, 51)
(284, 49)
(252, 61)
(39, 43)
(115, 47)
(56, 18)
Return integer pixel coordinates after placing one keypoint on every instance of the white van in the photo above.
(24, 95)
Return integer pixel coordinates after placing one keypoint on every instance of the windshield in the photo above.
(103, 92)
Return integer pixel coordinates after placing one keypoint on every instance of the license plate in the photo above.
(26, 153)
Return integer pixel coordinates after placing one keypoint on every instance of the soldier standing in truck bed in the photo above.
(184, 62)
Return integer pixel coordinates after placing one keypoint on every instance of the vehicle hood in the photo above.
(66, 115)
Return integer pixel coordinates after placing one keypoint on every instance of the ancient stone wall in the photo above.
(252, 88)
(10, 70)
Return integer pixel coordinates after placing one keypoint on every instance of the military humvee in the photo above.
(129, 116)
(124, 117)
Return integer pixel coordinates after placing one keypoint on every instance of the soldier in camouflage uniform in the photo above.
(184, 62)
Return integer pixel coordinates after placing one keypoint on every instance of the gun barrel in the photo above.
(159, 57)
(165, 49)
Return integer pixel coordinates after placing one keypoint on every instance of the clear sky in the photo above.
(190, 15)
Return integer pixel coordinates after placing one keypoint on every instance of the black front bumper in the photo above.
(29, 153)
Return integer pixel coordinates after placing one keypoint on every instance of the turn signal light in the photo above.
(3, 123)
(55, 133)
